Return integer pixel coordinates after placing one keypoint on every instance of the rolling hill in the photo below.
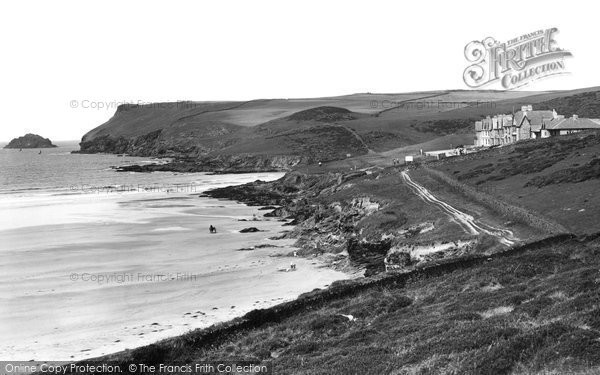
(313, 130)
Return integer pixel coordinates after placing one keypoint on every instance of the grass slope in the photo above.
(214, 125)
(380, 122)
(558, 177)
(532, 310)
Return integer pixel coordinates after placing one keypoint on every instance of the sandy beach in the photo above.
(89, 275)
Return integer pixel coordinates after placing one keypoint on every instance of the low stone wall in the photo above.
(520, 214)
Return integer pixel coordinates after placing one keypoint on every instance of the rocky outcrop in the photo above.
(371, 255)
(221, 164)
(250, 230)
(149, 144)
(30, 141)
(357, 219)
(322, 225)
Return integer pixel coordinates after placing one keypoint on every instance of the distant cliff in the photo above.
(202, 138)
(30, 141)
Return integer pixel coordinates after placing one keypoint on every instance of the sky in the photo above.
(62, 58)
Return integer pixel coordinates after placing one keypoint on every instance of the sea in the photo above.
(95, 261)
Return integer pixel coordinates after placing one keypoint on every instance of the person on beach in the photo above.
(212, 229)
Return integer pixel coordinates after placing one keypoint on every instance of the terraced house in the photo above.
(527, 124)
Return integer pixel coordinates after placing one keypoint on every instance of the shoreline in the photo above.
(284, 286)
(220, 332)
(321, 228)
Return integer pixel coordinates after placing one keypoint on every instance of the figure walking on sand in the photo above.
(212, 229)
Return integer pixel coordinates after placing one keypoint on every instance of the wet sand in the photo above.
(125, 271)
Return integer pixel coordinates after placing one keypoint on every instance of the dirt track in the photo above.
(467, 222)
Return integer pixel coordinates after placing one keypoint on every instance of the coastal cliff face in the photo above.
(203, 139)
(353, 219)
(312, 130)
(30, 141)
(222, 164)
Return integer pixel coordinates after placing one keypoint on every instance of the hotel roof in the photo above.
(562, 123)
(535, 117)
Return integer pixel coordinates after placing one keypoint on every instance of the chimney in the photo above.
(575, 117)
(526, 108)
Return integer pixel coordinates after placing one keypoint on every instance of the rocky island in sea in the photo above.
(30, 141)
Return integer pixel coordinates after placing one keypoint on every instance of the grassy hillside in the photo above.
(533, 310)
(586, 104)
(379, 121)
(480, 308)
(375, 127)
(558, 177)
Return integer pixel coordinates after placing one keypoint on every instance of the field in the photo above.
(380, 122)
(557, 177)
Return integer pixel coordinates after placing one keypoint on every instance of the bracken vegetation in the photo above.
(524, 158)
(586, 104)
(444, 126)
(590, 170)
(533, 310)
(323, 114)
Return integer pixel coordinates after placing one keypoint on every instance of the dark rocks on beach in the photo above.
(293, 222)
(193, 163)
(262, 246)
(250, 230)
(253, 194)
(322, 216)
(370, 254)
(399, 260)
(280, 237)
